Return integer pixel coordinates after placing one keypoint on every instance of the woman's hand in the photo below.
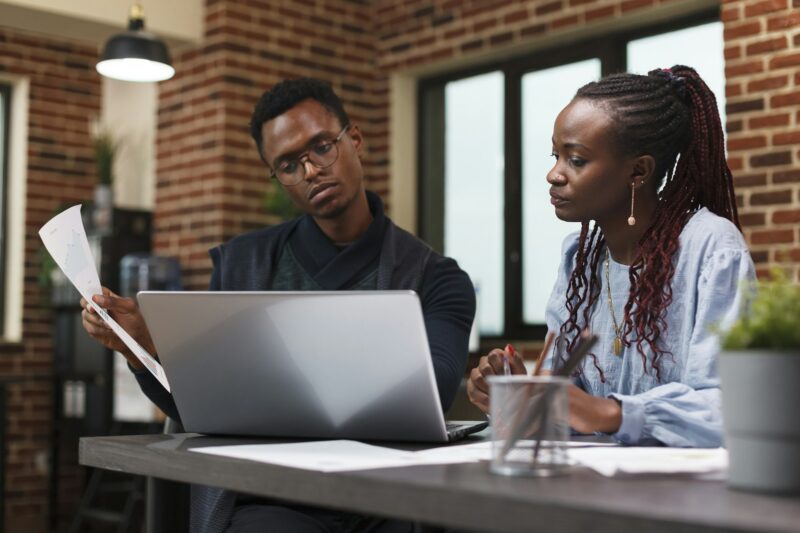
(588, 413)
(126, 313)
(491, 364)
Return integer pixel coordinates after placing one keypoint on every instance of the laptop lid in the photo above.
(332, 364)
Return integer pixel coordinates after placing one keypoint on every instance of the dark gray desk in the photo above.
(462, 496)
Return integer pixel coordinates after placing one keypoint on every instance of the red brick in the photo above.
(767, 45)
(600, 13)
(516, 16)
(486, 24)
(764, 7)
(786, 176)
(744, 69)
(749, 180)
(564, 22)
(782, 100)
(784, 21)
(745, 29)
(784, 61)
(786, 217)
(752, 219)
(733, 126)
(733, 52)
(548, 8)
(730, 13)
(630, 5)
(770, 159)
(745, 143)
(733, 90)
(735, 163)
(769, 121)
(759, 256)
(771, 198)
(765, 84)
(774, 236)
(792, 137)
(452, 34)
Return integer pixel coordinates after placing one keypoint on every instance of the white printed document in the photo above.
(329, 455)
(652, 460)
(64, 237)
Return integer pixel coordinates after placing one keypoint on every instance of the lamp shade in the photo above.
(135, 55)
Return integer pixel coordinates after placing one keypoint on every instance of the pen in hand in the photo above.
(548, 342)
(507, 353)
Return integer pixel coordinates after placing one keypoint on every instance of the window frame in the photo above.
(611, 50)
(5, 124)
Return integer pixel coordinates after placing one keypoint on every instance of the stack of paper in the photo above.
(651, 460)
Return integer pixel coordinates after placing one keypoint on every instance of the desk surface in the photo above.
(463, 495)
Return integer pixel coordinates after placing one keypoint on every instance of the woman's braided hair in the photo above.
(670, 114)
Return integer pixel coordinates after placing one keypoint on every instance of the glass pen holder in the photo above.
(530, 425)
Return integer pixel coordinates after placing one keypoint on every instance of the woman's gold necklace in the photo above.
(617, 336)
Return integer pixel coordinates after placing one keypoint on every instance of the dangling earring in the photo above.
(632, 219)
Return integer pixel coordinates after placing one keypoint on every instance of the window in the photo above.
(485, 149)
(5, 100)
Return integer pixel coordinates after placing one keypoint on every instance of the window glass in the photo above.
(473, 206)
(544, 94)
(700, 47)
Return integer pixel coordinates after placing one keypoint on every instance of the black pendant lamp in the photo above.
(136, 54)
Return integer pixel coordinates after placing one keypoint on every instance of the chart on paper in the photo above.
(64, 237)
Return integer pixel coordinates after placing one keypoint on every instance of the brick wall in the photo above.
(762, 59)
(762, 54)
(64, 94)
(210, 181)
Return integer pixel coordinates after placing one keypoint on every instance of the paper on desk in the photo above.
(482, 451)
(343, 455)
(65, 239)
(327, 455)
(651, 460)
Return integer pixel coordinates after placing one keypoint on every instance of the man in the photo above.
(343, 242)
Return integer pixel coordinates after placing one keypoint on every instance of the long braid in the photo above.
(671, 115)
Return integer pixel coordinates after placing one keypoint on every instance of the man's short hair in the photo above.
(287, 94)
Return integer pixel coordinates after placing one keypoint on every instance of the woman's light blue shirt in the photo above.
(683, 408)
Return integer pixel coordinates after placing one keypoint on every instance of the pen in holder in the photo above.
(530, 416)
(530, 424)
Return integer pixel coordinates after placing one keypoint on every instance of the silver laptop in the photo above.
(333, 364)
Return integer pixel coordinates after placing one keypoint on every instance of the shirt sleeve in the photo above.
(147, 382)
(448, 307)
(688, 413)
(157, 394)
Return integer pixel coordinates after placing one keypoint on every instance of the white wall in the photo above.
(129, 113)
(15, 205)
(177, 21)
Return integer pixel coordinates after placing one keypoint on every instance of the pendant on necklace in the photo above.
(617, 346)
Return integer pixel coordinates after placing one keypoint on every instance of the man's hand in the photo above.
(491, 364)
(588, 413)
(126, 313)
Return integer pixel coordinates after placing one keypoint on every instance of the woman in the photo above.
(657, 265)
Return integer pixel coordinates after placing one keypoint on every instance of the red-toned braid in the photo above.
(672, 115)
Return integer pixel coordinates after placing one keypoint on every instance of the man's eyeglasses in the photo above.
(322, 155)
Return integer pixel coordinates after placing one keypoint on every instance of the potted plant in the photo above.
(760, 379)
(105, 149)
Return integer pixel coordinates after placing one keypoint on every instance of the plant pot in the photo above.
(103, 207)
(760, 396)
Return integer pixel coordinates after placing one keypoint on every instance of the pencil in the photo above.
(548, 342)
(508, 352)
